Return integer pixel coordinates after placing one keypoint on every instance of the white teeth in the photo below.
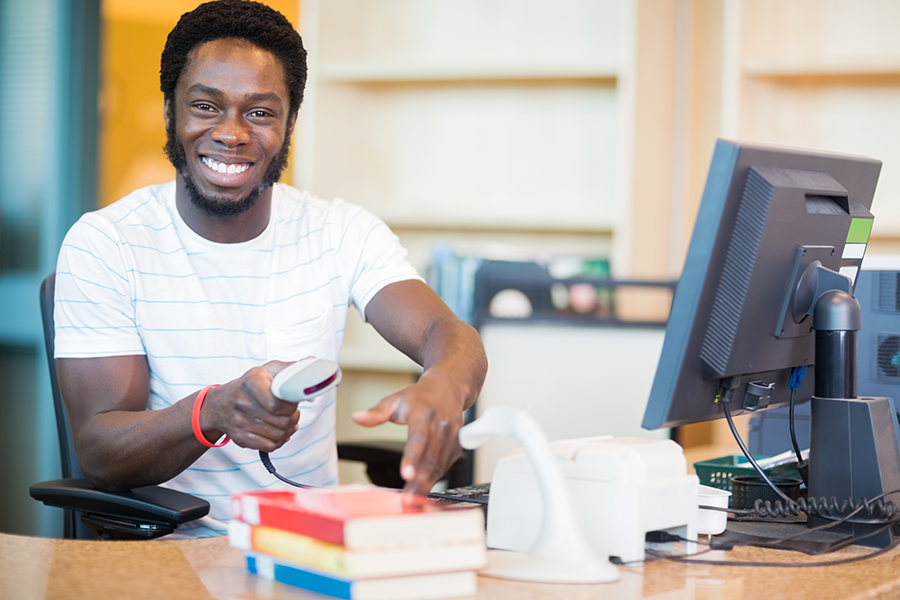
(223, 168)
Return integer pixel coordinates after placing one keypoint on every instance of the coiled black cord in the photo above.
(828, 508)
(878, 511)
(264, 457)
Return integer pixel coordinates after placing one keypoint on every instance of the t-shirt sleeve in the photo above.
(93, 312)
(372, 253)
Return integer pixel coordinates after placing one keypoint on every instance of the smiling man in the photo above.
(177, 305)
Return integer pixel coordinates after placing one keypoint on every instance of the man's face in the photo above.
(228, 128)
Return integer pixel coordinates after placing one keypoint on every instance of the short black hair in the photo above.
(243, 19)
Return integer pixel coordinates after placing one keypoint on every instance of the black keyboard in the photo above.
(477, 494)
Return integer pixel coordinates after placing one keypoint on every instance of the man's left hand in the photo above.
(413, 318)
(432, 446)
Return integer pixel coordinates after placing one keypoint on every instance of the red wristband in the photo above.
(195, 419)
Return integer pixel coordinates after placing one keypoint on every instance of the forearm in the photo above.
(410, 316)
(414, 319)
(453, 352)
(121, 445)
(123, 449)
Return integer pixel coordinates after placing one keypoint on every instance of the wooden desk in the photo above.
(39, 568)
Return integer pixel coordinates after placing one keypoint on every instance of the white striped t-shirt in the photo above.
(134, 279)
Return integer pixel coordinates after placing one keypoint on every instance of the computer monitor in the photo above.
(777, 227)
(766, 214)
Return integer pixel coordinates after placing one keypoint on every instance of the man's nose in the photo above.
(231, 130)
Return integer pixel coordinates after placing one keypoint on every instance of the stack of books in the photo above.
(360, 542)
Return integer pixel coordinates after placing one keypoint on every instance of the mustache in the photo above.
(218, 206)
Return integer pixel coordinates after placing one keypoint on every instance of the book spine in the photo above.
(421, 587)
(297, 548)
(391, 561)
(395, 527)
(307, 580)
(250, 510)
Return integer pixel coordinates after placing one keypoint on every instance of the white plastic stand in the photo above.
(561, 553)
(622, 488)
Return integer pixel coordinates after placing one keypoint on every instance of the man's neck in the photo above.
(223, 229)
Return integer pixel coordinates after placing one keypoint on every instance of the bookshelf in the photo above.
(449, 118)
(821, 75)
(465, 122)
(577, 123)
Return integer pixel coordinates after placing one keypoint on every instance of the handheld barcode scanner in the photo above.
(301, 382)
(306, 379)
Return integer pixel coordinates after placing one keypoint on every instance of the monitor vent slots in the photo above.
(737, 273)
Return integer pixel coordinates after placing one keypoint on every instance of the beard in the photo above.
(221, 206)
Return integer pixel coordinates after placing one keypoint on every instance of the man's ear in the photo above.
(166, 113)
(292, 120)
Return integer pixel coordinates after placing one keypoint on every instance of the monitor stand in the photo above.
(854, 449)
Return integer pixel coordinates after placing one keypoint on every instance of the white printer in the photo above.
(622, 487)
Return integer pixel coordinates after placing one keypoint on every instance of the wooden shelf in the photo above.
(399, 73)
(432, 222)
(468, 120)
(810, 69)
(830, 83)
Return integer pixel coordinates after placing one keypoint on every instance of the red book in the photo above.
(358, 516)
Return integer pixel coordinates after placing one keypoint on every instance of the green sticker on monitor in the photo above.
(859, 231)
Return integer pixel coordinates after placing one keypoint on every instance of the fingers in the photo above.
(257, 384)
(274, 367)
(390, 408)
(255, 428)
(432, 445)
(265, 441)
(266, 435)
(249, 414)
(430, 450)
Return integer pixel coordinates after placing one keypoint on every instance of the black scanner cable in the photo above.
(310, 391)
(267, 463)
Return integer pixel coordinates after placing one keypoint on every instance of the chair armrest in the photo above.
(155, 510)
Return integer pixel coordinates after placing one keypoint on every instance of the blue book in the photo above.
(415, 587)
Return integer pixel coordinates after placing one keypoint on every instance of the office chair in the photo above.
(154, 511)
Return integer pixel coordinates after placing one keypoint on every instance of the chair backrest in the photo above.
(72, 527)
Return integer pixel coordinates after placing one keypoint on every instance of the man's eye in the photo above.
(203, 106)
(260, 114)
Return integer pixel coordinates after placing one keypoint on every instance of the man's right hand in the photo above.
(246, 411)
